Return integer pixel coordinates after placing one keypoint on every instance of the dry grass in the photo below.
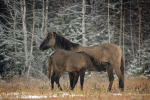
(95, 88)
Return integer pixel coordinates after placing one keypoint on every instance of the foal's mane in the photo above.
(63, 43)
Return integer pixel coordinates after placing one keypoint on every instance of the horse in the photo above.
(107, 52)
(76, 63)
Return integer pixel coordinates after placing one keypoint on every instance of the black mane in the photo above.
(63, 43)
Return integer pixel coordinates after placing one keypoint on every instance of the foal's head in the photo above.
(48, 42)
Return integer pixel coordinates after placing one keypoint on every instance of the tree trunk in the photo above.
(63, 17)
(25, 32)
(15, 29)
(108, 24)
(113, 31)
(83, 22)
(43, 13)
(132, 45)
(139, 33)
(46, 29)
(120, 37)
(46, 16)
(123, 33)
(143, 52)
(33, 29)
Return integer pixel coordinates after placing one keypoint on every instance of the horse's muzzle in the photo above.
(41, 48)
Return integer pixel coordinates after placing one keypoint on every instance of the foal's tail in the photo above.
(49, 67)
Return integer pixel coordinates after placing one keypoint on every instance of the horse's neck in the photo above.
(67, 46)
(63, 43)
(79, 48)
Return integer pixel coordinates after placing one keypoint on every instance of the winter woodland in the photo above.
(24, 24)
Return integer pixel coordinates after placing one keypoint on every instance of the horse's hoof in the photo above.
(122, 89)
(109, 89)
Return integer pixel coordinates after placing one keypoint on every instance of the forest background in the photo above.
(24, 24)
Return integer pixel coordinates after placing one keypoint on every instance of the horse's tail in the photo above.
(50, 69)
(122, 66)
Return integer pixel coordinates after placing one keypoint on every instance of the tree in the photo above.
(43, 18)
(15, 29)
(31, 48)
(139, 33)
(131, 26)
(90, 22)
(108, 24)
(83, 22)
(121, 23)
(23, 9)
(46, 16)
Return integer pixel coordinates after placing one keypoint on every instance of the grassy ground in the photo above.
(95, 88)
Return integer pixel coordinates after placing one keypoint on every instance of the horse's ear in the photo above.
(51, 33)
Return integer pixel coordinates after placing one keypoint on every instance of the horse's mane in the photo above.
(63, 43)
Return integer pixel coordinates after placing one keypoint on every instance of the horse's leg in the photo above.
(111, 77)
(76, 76)
(57, 77)
(82, 73)
(120, 77)
(52, 80)
(71, 77)
(121, 80)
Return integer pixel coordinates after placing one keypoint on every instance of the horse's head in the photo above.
(48, 42)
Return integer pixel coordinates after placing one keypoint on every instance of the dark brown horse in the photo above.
(108, 52)
(75, 63)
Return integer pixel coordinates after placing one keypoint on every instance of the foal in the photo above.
(76, 63)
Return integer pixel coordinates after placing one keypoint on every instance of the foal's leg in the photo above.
(82, 73)
(52, 80)
(76, 76)
(57, 77)
(71, 77)
(110, 76)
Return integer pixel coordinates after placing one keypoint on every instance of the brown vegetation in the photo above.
(95, 88)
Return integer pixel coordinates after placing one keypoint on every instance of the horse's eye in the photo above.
(49, 37)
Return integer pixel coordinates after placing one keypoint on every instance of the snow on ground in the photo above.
(25, 95)
(128, 94)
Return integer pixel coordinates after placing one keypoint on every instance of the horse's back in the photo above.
(70, 61)
(108, 52)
